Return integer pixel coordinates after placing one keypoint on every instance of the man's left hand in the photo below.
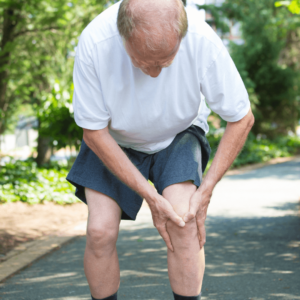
(198, 209)
(230, 145)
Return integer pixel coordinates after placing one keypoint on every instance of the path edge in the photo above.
(19, 259)
(274, 161)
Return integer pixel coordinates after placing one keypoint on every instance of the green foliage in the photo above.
(262, 150)
(293, 6)
(272, 84)
(56, 118)
(257, 150)
(24, 181)
(40, 48)
(25, 110)
(25, 27)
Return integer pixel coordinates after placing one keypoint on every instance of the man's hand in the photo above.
(105, 147)
(198, 209)
(230, 145)
(162, 211)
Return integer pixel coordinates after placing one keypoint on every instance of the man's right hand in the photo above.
(110, 153)
(162, 211)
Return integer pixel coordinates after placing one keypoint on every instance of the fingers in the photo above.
(188, 217)
(164, 234)
(176, 219)
(202, 232)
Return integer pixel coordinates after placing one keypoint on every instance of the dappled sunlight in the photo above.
(74, 297)
(127, 273)
(260, 252)
(282, 272)
(47, 278)
(158, 270)
(57, 276)
(223, 274)
(153, 250)
(289, 256)
(253, 244)
(286, 296)
(294, 244)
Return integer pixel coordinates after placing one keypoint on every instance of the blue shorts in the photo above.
(183, 160)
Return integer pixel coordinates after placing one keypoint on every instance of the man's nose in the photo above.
(154, 71)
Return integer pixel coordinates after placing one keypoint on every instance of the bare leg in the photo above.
(186, 264)
(101, 264)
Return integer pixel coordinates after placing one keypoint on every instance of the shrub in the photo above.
(258, 149)
(24, 181)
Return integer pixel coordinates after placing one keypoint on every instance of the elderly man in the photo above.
(139, 72)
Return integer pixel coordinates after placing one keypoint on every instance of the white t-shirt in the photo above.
(145, 113)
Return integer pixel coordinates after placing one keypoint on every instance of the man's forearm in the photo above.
(230, 145)
(110, 153)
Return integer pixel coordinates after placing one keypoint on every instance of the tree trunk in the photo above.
(43, 150)
(9, 25)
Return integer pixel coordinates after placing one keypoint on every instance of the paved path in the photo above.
(252, 249)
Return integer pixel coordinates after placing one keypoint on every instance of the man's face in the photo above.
(151, 63)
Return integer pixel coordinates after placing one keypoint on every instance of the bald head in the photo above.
(153, 24)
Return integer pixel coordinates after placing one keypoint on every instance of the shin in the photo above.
(101, 263)
(186, 264)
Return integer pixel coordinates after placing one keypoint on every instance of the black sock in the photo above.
(178, 297)
(112, 297)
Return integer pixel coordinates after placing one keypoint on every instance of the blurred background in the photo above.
(253, 218)
(39, 139)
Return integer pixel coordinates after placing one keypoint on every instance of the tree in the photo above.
(265, 30)
(56, 119)
(21, 19)
(293, 5)
(37, 41)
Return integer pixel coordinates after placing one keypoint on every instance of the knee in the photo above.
(185, 236)
(101, 239)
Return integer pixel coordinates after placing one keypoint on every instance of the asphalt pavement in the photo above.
(252, 249)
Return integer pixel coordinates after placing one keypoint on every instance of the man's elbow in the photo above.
(247, 121)
(250, 120)
(89, 135)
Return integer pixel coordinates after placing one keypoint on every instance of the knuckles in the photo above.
(191, 216)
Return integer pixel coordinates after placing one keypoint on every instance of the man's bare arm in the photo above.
(110, 153)
(230, 145)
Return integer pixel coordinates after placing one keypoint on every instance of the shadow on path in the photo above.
(252, 249)
(246, 259)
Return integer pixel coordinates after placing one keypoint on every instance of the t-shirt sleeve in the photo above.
(88, 103)
(224, 90)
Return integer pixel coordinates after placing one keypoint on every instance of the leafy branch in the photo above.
(36, 30)
(293, 5)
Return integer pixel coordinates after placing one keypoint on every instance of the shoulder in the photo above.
(101, 29)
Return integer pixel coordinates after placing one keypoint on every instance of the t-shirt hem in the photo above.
(238, 116)
(93, 126)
